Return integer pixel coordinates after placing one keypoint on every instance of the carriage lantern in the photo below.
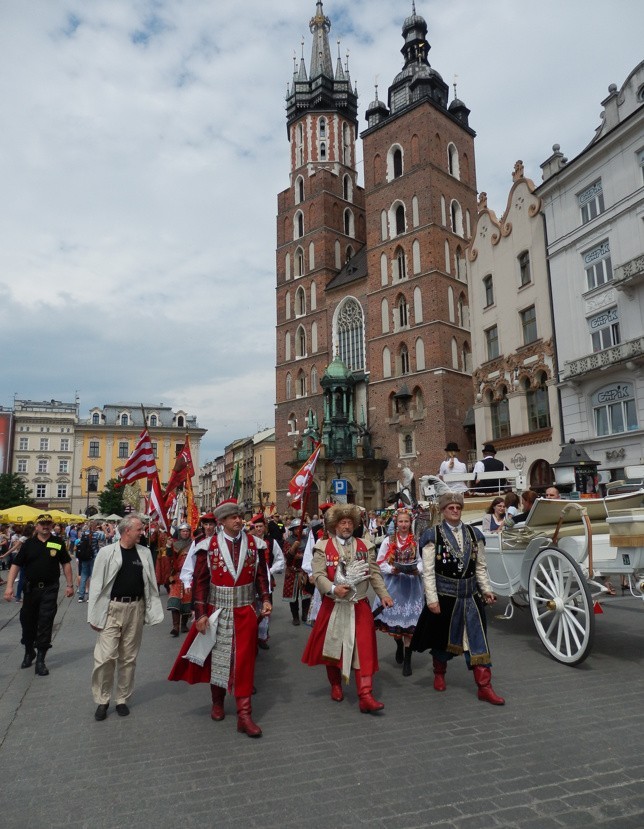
(575, 471)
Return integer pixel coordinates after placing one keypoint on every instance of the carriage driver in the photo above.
(457, 588)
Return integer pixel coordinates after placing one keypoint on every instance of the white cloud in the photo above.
(144, 144)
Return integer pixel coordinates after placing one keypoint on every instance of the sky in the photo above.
(143, 145)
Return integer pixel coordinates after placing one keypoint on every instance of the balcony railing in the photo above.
(630, 350)
(630, 274)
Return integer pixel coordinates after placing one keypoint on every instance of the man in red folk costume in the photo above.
(222, 644)
(344, 636)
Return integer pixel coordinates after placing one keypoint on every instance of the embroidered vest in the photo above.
(333, 556)
(447, 563)
(219, 573)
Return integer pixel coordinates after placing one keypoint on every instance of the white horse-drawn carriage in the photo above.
(556, 564)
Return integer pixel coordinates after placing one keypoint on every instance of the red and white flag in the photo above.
(156, 506)
(183, 468)
(302, 479)
(141, 463)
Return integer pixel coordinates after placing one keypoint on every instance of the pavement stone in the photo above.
(564, 751)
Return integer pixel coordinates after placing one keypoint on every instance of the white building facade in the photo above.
(515, 383)
(594, 211)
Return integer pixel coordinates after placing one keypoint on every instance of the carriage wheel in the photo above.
(561, 606)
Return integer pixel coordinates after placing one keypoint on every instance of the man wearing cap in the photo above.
(296, 587)
(123, 596)
(180, 597)
(452, 465)
(227, 579)
(41, 556)
(489, 464)
(344, 635)
(457, 588)
(275, 565)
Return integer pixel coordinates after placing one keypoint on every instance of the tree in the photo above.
(111, 499)
(13, 491)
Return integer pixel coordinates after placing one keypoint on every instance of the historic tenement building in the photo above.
(594, 212)
(373, 341)
(515, 380)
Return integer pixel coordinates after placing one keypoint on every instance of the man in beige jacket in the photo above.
(123, 596)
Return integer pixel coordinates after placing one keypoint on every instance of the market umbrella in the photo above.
(21, 514)
(114, 517)
(65, 517)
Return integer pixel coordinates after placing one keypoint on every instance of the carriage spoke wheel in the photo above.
(561, 606)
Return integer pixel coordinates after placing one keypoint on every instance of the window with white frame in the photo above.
(94, 448)
(537, 404)
(63, 467)
(614, 409)
(61, 491)
(525, 276)
(96, 419)
(22, 465)
(529, 324)
(402, 313)
(23, 444)
(41, 490)
(500, 412)
(403, 360)
(155, 449)
(492, 342)
(44, 444)
(124, 449)
(604, 329)
(64, 444)
(598, 267)
(400, 265)
(591, 201)
(488, 290)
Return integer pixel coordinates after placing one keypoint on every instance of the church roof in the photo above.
(355, 268)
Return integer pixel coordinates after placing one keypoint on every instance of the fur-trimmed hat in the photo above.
(339, 511)
(448, 498)
(227, 508)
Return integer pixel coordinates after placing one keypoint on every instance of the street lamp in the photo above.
(88, 470)
(338, 463)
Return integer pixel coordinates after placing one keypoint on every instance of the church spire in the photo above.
(320, 27)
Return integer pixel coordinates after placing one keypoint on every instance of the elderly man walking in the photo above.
(123, 596)
(344, 635)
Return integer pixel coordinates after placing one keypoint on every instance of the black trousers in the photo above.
(39, 606)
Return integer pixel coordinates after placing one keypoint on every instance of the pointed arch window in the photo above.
(386, 362)
(420, 354)
(299, 145)
(403, 360)
(350, 334)
(400, 219)
(402, 313)
(289, 386)
(300, 342)
(300, 302)
(349, 228)
(299, 190)
(457, 218)
(400, 264)
(314, 296)
(298, 225)
(452, 161)
(397, 159)
(346, 144)
(301, 384)
(314, 380)
(299, 262)
(347, 188)
(322, 127)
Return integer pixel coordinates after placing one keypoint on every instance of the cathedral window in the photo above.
(300, 342)
(298, 225)
(299, 145)
(420, 354)
(287, 305)
(349, 333)
(403, 360)
(300, 302)
(347, 189)
(400, 219)
(397, 162)
(314, 380)
(452, 161)
(299, 262)
(299, 190)
(301, 384)
(400, 265)
(457, 218)
(349, 228)
(289, 386)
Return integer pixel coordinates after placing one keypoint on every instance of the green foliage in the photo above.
(13, 491)
(111, 499)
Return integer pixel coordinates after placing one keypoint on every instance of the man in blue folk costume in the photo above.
(457, 588)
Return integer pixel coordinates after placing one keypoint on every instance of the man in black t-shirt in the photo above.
(123, 596)
(41, 556)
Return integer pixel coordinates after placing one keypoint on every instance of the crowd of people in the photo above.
(220, 587)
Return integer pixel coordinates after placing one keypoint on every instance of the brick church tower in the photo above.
(371, 283)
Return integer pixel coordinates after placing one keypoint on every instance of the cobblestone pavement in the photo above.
(564, 751)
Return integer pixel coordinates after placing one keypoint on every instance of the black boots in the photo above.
(399, 651)
(41, 668)
(176, 618)
(30, 655)
(406, 671)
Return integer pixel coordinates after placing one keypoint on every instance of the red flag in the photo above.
(302, 479)
(183, 469)
(156, 506)
(141, 463)
(192, 512)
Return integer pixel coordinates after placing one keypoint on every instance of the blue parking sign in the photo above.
(339, 486)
